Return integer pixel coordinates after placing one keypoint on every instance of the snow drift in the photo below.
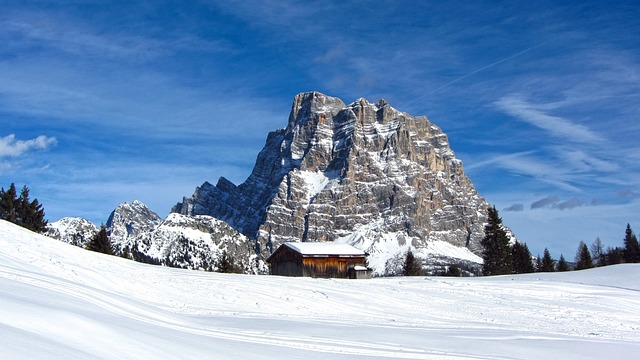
(59, 301)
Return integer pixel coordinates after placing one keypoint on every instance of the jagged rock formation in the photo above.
(127, 221)
(362, 173)
(189, 242)
(197, 242)
(72, 230)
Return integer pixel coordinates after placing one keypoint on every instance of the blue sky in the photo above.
(107, 102)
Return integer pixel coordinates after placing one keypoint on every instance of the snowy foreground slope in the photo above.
(58, 301)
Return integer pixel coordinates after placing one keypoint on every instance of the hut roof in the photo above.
(324, 248)
(321, 249)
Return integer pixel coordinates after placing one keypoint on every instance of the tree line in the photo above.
(503, 258)
(20, 210)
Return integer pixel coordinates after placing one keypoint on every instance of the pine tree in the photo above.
(613, 256)
(453, 270)
(562, 264)
(583, 257)
(101, 243)
(548, 264)
(597, 251)
(631, 250)
(522, 263)
(8, 204)
(31, 213)
(538, 263)
(412, 266)
(20, 210)
(225, 263)
(497, 251)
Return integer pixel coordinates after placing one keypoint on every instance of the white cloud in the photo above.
(556, 125)
(10, 147)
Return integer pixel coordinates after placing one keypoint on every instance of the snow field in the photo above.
(59, 301)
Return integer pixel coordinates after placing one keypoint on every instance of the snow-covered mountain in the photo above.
(364, 173)
(61, 302)
(197, 242)
(72, 230)
(190, 242)
(128, 221)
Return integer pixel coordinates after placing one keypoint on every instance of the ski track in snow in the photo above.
(59, 301)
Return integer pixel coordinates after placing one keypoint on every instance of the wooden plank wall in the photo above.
(330, 267)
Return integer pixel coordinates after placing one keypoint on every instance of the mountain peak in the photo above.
(72, 230)
(362, 173)
(129, 220)
(308, 103)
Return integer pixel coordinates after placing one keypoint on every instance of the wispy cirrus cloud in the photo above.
(557, 126)
(530, 164)
(46, 32)
(42, 31)
(12, 147)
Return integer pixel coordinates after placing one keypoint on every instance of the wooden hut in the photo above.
(320, 260)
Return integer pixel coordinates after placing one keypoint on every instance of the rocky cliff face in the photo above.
(362, 173)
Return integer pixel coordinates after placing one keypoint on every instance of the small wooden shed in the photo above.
(319, 260)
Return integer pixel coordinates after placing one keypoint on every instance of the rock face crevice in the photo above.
(362, 173)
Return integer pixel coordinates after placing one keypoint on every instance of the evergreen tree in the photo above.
(631, 250)
(583, 257)
(453, 270)
(101, 243)
(31, 213)
(597, 251)
(548, 265)
(562, 264)
(225, 263)
(538, 263)
(613, 256)
(8, 204)
(20, 210)
(522, 263)
(412, 266)
(497, 251)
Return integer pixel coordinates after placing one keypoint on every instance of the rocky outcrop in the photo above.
(361, 173)
(200, 243)
(72, 230)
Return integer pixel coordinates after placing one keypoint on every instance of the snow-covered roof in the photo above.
(324, 248)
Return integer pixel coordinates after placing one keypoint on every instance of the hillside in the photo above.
(59, 301)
